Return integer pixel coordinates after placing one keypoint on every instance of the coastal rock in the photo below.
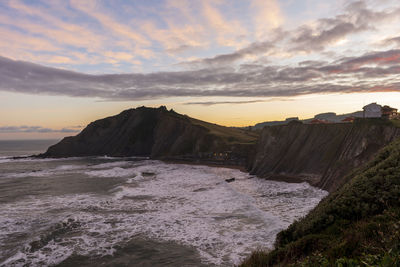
(160, 134)
(321, 154)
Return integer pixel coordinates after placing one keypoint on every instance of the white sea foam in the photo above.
(114, 172)
(62, 169)
(69, 167)
(111, 164)
(114, 158)
(42, 173)
(33, 159)
(190, 205)
(5, 160)
(100, 170)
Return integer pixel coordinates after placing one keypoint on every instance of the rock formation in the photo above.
(156, 133)
(321, 154)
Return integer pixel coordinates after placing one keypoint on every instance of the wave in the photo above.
(188, 205)
(114, 172)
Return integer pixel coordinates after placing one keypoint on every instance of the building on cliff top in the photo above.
(349, 119)
(292, 119)
(389, 113)
(317, 121)
(372, 110)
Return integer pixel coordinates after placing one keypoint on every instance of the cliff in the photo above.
(357, 225)
(321, 154)
(157, 133)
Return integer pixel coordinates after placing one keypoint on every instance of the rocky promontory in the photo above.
(320, 154)
(160, 134)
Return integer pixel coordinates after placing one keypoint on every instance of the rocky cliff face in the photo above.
(156, 133)
(321, 154)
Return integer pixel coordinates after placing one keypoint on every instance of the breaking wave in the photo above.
(190, 205)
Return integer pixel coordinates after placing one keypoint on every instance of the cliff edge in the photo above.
(321, 154)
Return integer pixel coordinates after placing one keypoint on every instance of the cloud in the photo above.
(70, 33)
(308, 40)
(23, 42)
(371, 64)
(211, 103)
(67, 130)
(53, 28)
(39, 35)
(34, 129)
(247, 81)
(315, 36)
(392, 41)
(382, 58)
(228, 32)
(177, 38)
(268, 15)
(256, 48)
(356, 18)
(91, 8)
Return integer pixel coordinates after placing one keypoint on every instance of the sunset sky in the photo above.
(65, 63)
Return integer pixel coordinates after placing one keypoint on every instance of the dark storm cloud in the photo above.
(34, 129)
(250, 80)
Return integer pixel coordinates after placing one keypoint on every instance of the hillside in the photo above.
(358, 225)
(321, 154)
(155, 133)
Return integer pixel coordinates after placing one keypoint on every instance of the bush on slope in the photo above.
(358, 225)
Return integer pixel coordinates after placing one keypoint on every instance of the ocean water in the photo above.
(137, 212)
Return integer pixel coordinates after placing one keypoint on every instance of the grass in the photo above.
(378, 121)
(358, 225)
(395, 122)
(229, 134)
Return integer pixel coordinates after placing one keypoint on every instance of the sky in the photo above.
(65, 63)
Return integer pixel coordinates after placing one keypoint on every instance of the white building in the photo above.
(372, 110)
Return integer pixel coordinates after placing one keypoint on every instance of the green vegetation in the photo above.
(378, 121)
(358, 225)
(229, 134)
(395, 122)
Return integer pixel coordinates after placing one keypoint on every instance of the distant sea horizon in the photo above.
(25, 147)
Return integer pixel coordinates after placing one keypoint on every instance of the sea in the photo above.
(105, 211)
